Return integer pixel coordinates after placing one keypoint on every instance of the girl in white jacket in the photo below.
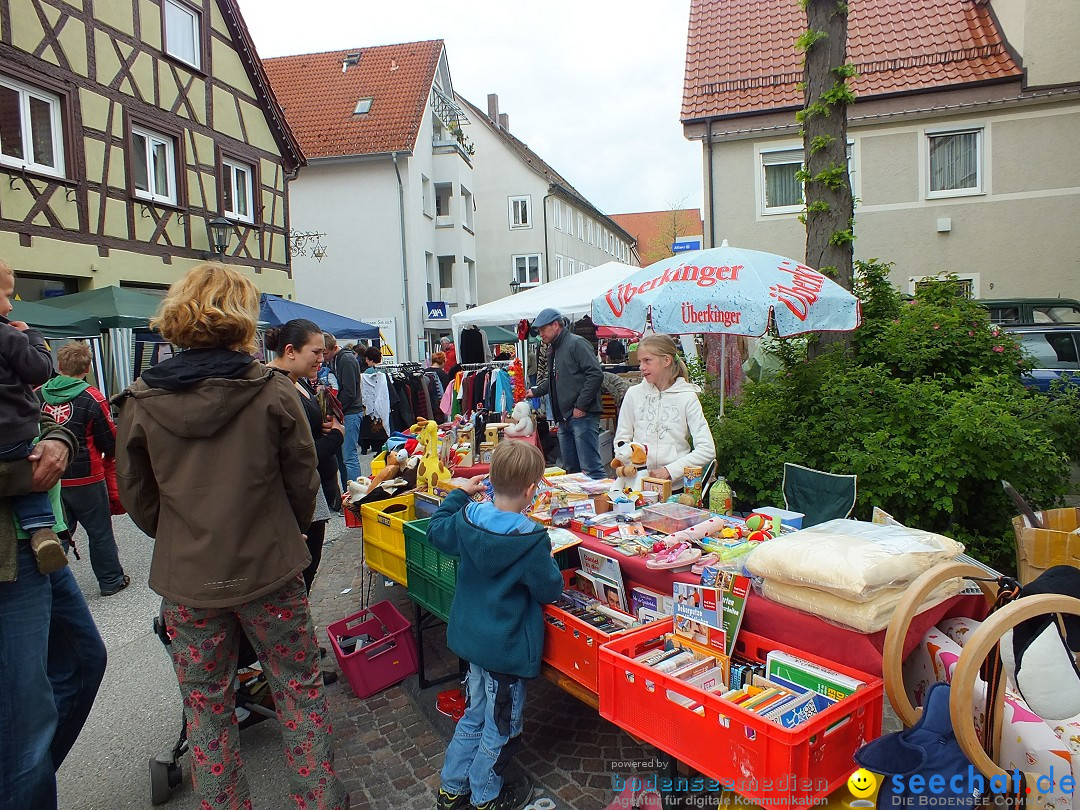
(663, 412)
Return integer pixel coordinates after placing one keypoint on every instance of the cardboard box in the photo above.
(660, 485)
(1039, 549)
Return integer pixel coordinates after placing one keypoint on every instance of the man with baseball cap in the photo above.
(573, 382)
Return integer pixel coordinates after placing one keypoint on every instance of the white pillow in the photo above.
(850, 558)
(866, 617)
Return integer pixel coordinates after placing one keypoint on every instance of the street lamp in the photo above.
(515, 285)
(218, 232)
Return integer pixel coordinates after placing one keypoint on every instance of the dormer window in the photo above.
(183, 32)
(363, 106)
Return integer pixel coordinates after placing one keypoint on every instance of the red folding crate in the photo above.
(744, 752)
(389, 658)
(571, 645)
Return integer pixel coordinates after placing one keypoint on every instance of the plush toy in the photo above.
(629, 466)
(759, 527)
(521, 421)
(358, 489)
(397, 462)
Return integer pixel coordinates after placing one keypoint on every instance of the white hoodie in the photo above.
(666, 421)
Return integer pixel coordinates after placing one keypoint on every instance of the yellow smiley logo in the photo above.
(862, 784)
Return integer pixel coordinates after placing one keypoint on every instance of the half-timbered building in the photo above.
(126, 128)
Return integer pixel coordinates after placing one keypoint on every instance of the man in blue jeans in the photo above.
(347, 370)
(574, 377)
(51, 656)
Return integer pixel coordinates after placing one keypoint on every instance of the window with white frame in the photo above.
(520, 212)
(153, 166)
(559, 266)
(590, 229)
(782, 190)
(236, 190)
(428, 199)
(558, 215)
(571, 267)
(568, 222)
(183, 32)
(527, 269)
(955, 163)
(581, 227)
(31, 128)
(966, 285)
(467, 208)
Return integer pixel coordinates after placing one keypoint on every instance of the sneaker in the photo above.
(452, 801)
(513, 796)
(115, 589)
(48, 551)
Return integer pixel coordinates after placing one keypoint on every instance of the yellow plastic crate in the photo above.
(384, 535)
(378, 463)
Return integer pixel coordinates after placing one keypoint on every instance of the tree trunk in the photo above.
(829, 204)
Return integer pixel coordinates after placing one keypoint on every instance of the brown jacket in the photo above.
(222, 473)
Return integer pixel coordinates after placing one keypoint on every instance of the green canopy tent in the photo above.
(115, 307)
(56, 323)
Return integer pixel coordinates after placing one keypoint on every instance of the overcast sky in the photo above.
(592, 86)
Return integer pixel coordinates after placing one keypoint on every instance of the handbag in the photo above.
(330, 405)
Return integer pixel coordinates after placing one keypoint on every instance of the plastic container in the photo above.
(755, 757)
(672, 517)
(787, 517)
(352, 517)
(390, 656)
(432, 574)
(571, 645)
(384, 536)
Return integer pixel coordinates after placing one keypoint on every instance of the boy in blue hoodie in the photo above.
(505, 574)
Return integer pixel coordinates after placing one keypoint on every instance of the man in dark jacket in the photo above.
(82, 409)
(347, 370)
(573, 380)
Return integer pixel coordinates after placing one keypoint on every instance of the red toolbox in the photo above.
(744, 752)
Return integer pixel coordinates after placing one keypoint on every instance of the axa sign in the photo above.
(436, 310)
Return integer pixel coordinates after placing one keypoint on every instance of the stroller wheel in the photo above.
(164, 776)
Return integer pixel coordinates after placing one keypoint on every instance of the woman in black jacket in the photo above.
(298, 346)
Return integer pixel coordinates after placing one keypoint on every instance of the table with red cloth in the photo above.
(795, 628)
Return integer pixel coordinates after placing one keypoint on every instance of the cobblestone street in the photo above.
(390, 746)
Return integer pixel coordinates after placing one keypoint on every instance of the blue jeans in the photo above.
(352, 439)
(34, 509)
(486, 736)
(52, 660)
(89, 505)
(579, 445)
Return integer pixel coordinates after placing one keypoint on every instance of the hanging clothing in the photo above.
(376, 395)
(472, 346)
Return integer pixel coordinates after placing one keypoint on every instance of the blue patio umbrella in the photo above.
(276, 311)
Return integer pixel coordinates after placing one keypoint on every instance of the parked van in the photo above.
(1055, 350)
(1033, 310)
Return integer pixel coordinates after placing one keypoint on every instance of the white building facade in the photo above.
(531, 225)
(389, 189)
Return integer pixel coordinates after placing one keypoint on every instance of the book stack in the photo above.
(593, 612)
(687, 663)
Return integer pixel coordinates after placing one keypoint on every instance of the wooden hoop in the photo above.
(978, 646)
(893, 653)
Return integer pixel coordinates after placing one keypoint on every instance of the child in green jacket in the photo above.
(505, 574)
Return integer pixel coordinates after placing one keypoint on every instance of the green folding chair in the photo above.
(820, 496)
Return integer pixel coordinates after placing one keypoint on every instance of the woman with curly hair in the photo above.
(216, 461)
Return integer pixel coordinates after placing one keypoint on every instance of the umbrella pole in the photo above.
(723, 370)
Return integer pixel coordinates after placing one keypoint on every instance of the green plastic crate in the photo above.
(432, 574)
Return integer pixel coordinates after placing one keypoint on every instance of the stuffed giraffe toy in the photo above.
(431, 470)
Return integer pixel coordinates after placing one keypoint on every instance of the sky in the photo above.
(592, 86)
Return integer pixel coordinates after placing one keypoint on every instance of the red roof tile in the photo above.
(653, 230)
(319, 98)
(741, 56)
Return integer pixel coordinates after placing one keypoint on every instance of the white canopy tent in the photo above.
(571, 295)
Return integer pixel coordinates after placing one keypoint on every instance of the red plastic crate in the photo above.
(571, 645)
(352, 518)
(746, 753)
(390, 659)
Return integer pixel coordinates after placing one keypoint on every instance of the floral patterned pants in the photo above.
(205, 643)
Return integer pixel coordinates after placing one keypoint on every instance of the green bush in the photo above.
(927, 409)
